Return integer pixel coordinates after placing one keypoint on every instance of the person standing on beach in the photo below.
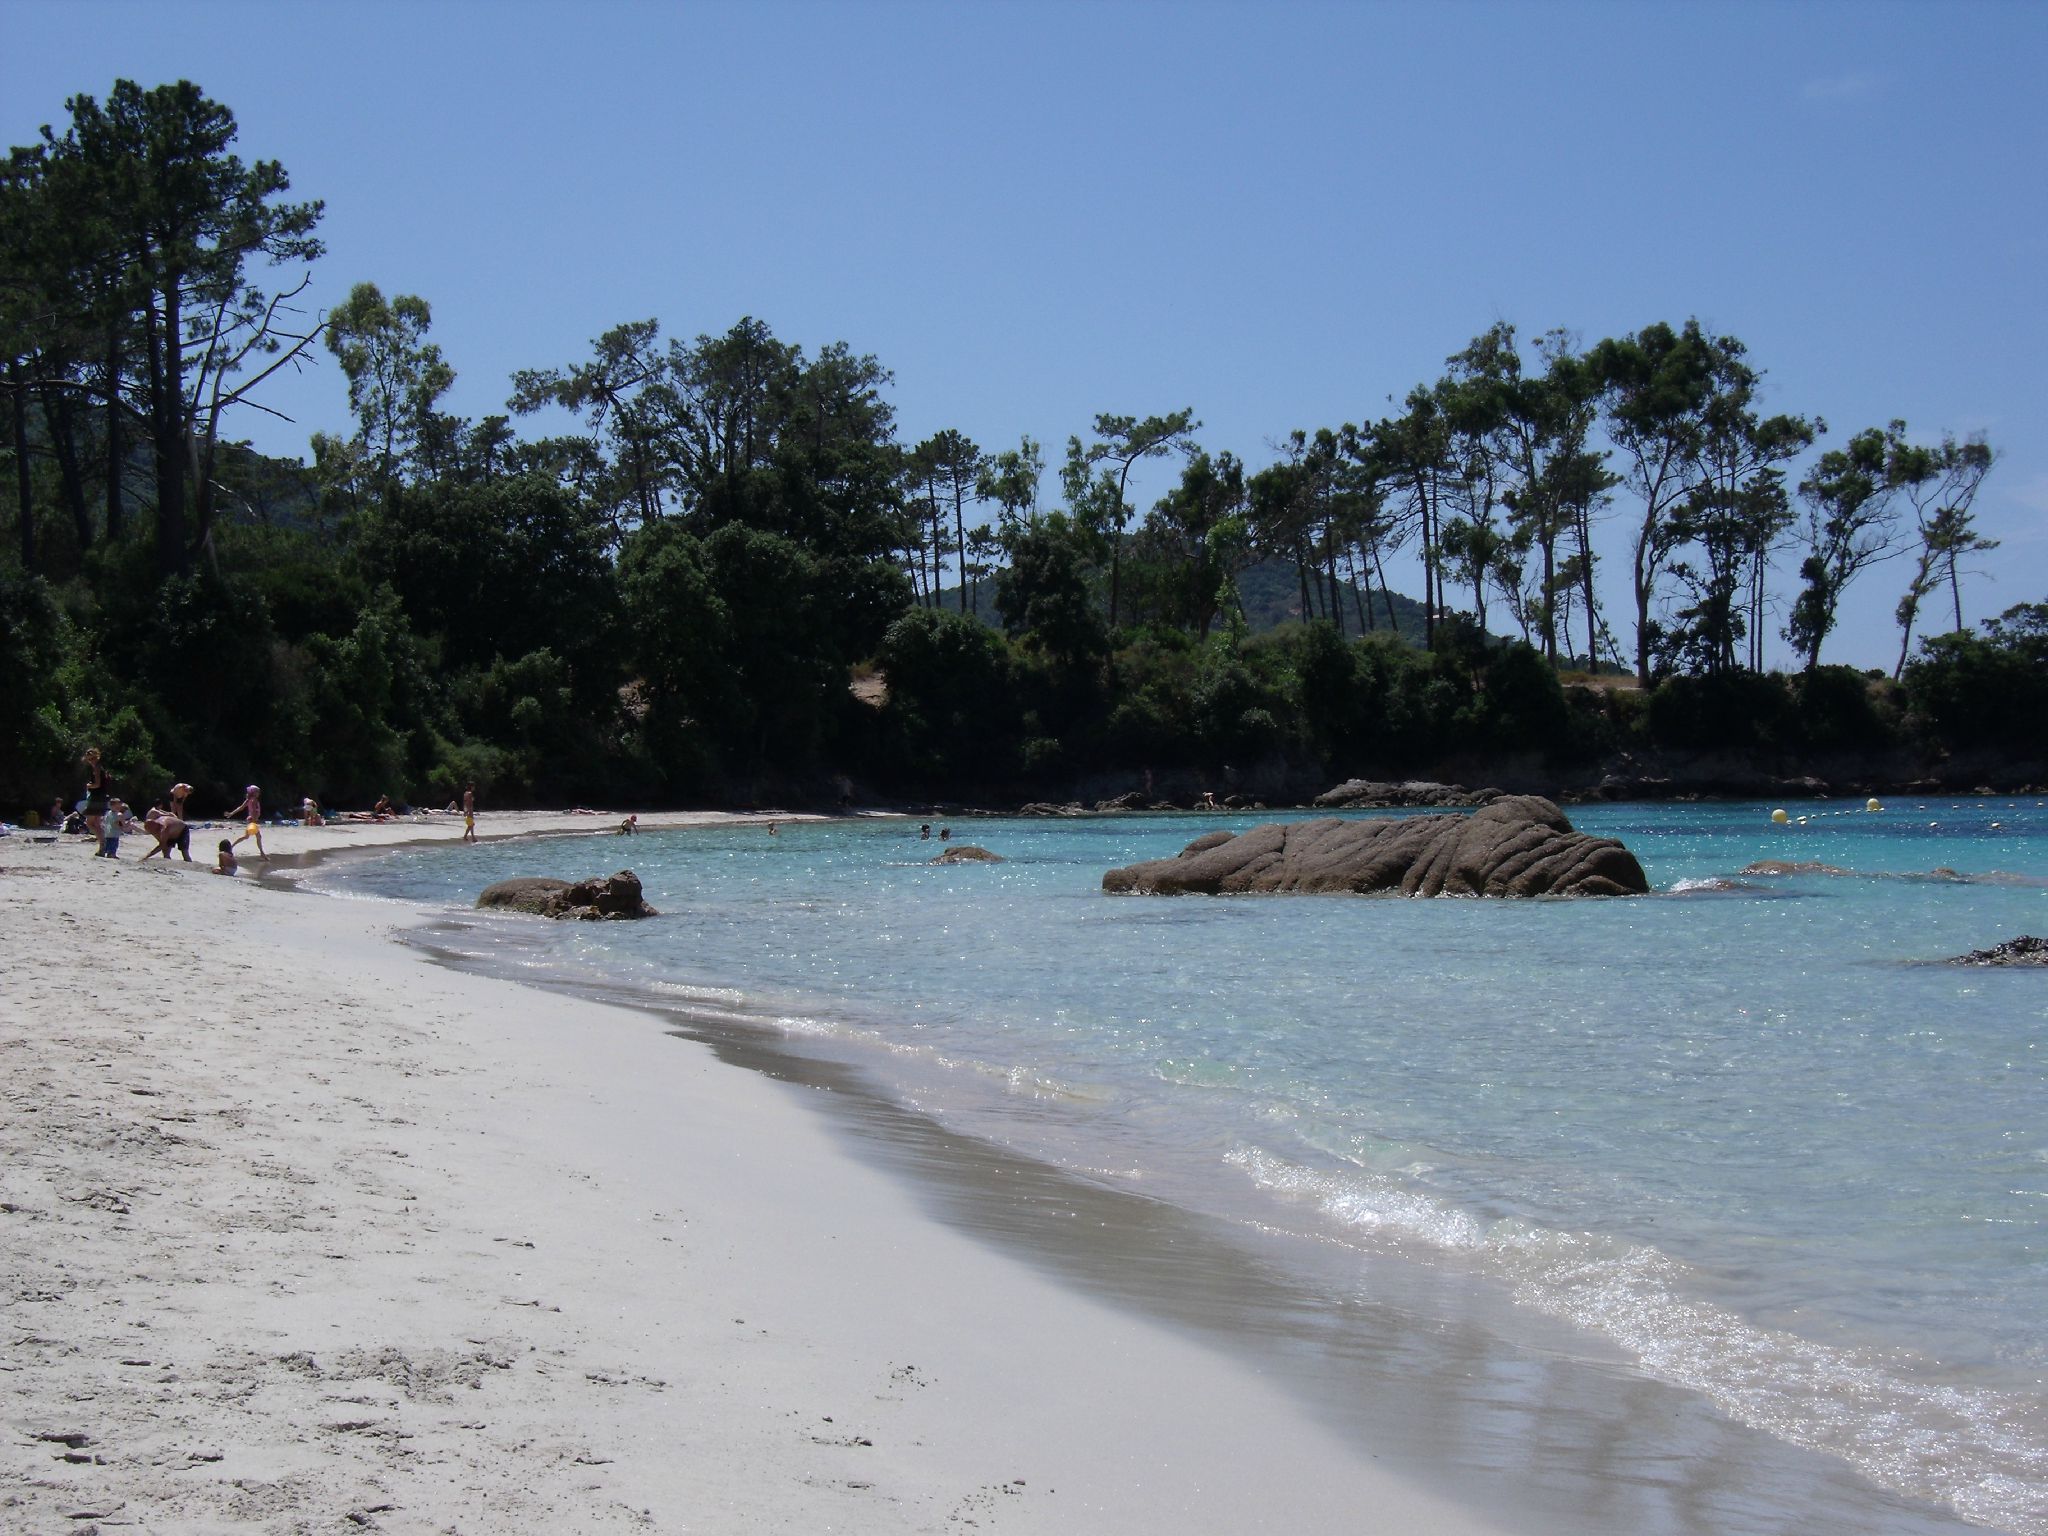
(98, 785)
(175, 809)
(469, 814)
(251, 810)
(110, 830)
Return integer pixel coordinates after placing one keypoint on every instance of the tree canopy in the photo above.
(685, 568)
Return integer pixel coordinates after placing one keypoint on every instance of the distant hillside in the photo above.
(1270, 591)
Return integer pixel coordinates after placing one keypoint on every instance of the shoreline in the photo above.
(1142, 1422)
(305, 1230)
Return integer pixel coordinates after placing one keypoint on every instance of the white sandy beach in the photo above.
(305, 1233)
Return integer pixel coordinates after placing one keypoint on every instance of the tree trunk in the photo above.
(166, 431)
(1583, 518)
(24, 487)
(960, 540)
(642, 492)
(59, 420)
(116, 449)
(1336, 586)
(1429, 571)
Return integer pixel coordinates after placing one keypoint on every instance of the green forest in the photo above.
(711, 570)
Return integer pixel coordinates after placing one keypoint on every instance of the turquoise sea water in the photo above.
(1742, 1129)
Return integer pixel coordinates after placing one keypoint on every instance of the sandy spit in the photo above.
(302, 1233)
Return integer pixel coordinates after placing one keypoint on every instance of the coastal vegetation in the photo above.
(667, 569)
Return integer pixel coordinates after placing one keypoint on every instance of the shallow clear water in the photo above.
(1739, 1129)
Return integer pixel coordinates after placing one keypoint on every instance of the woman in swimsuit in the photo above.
(98, 785)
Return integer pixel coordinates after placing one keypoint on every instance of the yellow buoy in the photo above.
(1779, 816)
(1872, 805)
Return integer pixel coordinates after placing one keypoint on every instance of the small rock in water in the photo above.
(2024, 950)
(967, 853)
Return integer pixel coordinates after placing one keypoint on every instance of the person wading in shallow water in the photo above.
(251, 809)
(469, 814)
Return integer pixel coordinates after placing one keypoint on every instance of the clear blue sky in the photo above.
(1278, 214)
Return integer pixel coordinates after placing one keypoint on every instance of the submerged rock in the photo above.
(2024, 950)
(601, 898)
(1519, 845)
(967, 853)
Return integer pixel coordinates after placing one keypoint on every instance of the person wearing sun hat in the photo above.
(251, 810)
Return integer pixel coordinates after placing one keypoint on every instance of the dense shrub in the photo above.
(1734, 712)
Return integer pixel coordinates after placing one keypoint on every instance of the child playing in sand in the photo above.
(251, 809)
(227, 865)
(630, 825)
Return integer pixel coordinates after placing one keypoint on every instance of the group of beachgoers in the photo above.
(104, 817)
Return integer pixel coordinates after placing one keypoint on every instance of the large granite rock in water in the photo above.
(602, 898)
(1520, 845)
(527, 893)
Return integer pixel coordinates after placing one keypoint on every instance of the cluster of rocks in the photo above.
(968, 853)
(1418, 794)
(2024, 950)
(1518, 845)
(604, 898)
